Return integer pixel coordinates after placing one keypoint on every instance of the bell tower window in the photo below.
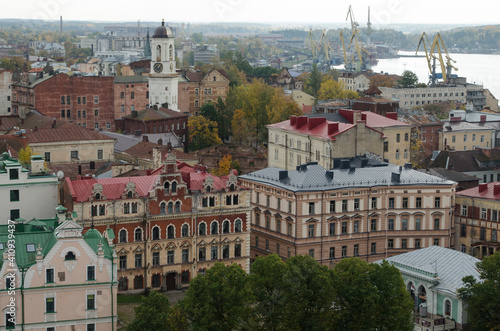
(158, 53)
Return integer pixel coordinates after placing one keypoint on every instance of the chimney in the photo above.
(329, 174)
(293, 119)
(496, 188)
(283, 174)
(333, 127)
(145, 139)
(483, 118)
(483, 187)
(301, 121)
(392, 116)
(160, 141)
(314, 122)
(36, 164)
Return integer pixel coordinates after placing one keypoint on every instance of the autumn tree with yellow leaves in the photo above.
(203, 133)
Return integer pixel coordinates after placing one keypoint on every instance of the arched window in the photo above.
(185, 230)
(214, 227)
(123, 236)
(163, 207)
(70, 256)
(178, 207)
(170, 232)
(158, 53)
(166, 187)
(170, 207)
(129, 194)
(138, 234)
(174, 187)
(171, 52)
(97, 196)
(447, 308)
(202, 229)
(156, 233)
(208, 188)
(225, 227)
(237, 226)
(231, 187)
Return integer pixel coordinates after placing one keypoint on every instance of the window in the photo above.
(49, 275)
(63, 100)
(417, 243)
(14, 195)
(177, 206)
(49, 305)
(418, 202)
(397, 154)
(96, 112)
(96, 99)
(13, 174)
(90, 301)
(482, 234)
(278, 249)
(373, 224)
(84, 115)
(74, 154)
(310, 231)
(311, 253)
(90, 272)
(436, 242)
(391, 224)
(202, 254)
(473, 137)
(289, 252)
(202, 229)
(405, 202)
(482, 138)
(155, 280)
(447, 308)
(185, 230)
(123, 236)
(278, 226)
(465, 137)
(332, 252)
(344, 227)
(69, 256)
(170, 232)
(344, 251)
(356, 204)
(404, 224)
(214, 228)
(268, 200)
(289, 229)
(156, 233)
(373, 249)
(391, 203)
(386, 146)
(257, 242)
(463, 230)
(237, 250)
(138, 235)
(237, 225)
(185, 277)
(132, 95)
(437, 202)
(374, 203)
(483, 213)
(174, 187)
(463, 249)
(311, 208)
(493, 235)
(436, 224)
(390, 243)
(185, 255)
(47, 156)
(406, 136)
(356, 250)
(225, 252)
(156, 258)
(417, 223)
(138, 260)
(404, 243)
(398, 137)
(344, 205)
(332, 206)
(213, 253)
(138, 282)
(494, 215)
(356, 227)
(123, 262)
(332, 229)
(170, 257)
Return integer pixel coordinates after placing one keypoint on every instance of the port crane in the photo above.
(431, 56)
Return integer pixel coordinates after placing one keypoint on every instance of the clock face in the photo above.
(158, 67)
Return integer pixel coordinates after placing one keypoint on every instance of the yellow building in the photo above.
(458, 135)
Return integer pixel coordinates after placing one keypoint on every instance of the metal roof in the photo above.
(443, 266)
(313, 177)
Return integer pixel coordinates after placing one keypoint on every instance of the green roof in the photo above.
(110, 233)
(93, 238)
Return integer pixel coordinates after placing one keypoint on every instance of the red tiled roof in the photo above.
(70, 132)
(373, 90)
(483, 191)
(151, 114)
(194, 76)
(140, 64)
(320, 131)
(12, 143)
(113, 188)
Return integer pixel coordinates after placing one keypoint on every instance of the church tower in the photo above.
(163, 80)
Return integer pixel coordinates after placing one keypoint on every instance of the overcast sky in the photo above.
(269, 11)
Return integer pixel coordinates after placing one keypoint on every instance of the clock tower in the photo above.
(163, 80)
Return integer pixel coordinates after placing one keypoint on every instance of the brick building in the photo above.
(204, 88)
(153, 120)
(168, 226)
(476, 220)
(368, 212)
(130, 93)
(425, 128)
(372, 101)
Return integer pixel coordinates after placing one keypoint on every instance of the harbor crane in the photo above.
(433, 53)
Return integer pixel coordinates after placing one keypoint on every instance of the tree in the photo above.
(332, 90)
(203, 133)
(313, 83)
(152, 314)
(177, 320)
(242, 127)
(220, 300)
(371, 297)
(25, 154)
(224, 166)
(15, 63)
(208, 111)
(383, 80)
(281, 107)
(197, 37)
(408, 78)
(483, 297)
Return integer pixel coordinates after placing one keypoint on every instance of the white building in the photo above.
(5, 81)
(26, 192)
(354, 82)
(163, 79)
(420, 96)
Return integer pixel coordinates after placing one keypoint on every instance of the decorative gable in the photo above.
(69, 229)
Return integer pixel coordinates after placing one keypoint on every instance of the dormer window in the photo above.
(130, 194)
(208, 188)
(97, 196)
(231, 187)
(70, 256)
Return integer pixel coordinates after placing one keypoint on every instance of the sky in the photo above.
(383, 12)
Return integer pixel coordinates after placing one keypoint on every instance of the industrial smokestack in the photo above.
(60, 25)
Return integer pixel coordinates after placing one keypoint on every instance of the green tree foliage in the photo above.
(25, 154)
(281, 107)
(332, 90)
(220, 114)
(371, 297)
(197, 37)
(408, 78)
(313, 83)
(152, 314)
(483, 298)
(15, 63)
(220, 300)
(203, 133)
